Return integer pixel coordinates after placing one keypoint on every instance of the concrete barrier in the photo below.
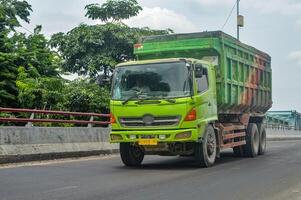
(37, 143)
(32, 143)
(282, 134)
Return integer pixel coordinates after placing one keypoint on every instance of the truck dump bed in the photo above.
(244, 79)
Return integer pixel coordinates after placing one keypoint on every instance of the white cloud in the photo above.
(215, 2)
(286, 7)
(295, 56)
(162, 18)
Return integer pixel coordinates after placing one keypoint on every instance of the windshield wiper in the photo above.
(148, 98)
(157, 100)
(148, 101)
(132, 97)
(170, 100)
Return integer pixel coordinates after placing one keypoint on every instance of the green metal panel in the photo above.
(243, 75)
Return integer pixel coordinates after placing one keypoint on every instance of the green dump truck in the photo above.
(191, 95)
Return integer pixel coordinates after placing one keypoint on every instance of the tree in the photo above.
(34, 53)
(84, 96)
(113, 10)
(11, 12)
(95, 49)
(38, 82)
(40, 93)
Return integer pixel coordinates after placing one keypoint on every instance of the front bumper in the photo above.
(118, 136)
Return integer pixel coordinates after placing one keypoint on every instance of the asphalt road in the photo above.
(276, 175)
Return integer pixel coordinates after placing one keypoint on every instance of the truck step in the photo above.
(233, 144)
(234, 135)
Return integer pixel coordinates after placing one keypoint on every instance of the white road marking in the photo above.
(63, 188)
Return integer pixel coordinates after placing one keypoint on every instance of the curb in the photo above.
(52, 156)
(283, 138)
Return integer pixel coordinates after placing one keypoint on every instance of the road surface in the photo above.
(277, 175)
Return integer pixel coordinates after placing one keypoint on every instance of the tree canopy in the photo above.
(113, 10)
(31, 65)
(11, 12)
(95, 49)
(28, 67)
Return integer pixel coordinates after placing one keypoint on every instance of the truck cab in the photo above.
(163, 106)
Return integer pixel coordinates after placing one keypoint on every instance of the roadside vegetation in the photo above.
(32, 65)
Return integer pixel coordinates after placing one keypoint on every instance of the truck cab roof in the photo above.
(153, 61)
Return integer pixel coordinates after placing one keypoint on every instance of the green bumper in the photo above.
(118, 136)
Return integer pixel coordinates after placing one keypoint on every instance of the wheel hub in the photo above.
(211, 145)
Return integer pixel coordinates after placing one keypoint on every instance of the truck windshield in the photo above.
(152, 81)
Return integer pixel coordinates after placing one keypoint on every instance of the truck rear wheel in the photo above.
(131, 154)
(205, 150)
(262, 139)
(250, 149)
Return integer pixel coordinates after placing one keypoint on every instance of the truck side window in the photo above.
(203, 82)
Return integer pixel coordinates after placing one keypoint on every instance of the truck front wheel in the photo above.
(205, 150)
(131, 154)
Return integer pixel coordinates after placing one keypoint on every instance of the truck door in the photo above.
(206, 95)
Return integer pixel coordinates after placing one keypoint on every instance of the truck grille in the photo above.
(149, 121)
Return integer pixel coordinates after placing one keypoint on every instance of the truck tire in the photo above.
(250, 149)
(262, 139)
(131, 155)
(205, 150)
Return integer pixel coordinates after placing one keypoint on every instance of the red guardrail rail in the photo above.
(52, 112)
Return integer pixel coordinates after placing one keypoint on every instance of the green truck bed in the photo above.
(243, 73)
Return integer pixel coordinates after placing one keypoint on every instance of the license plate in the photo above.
(148, 142)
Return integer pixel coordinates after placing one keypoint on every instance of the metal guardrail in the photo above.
(90, 122)
(280, 127)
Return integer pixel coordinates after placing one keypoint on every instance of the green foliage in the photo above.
(30, 68)
(88, 50)
(8, 73)
(96, 49)
(34, 53)
(11, 11)
(113, 10)
(38, 81)
(40, 93)
(83, 96)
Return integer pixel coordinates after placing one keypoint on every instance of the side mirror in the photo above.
(198, 70)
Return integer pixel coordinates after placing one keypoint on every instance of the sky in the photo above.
(273, 26)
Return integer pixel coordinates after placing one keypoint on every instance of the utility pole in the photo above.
(237, 19)
(240, 19)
